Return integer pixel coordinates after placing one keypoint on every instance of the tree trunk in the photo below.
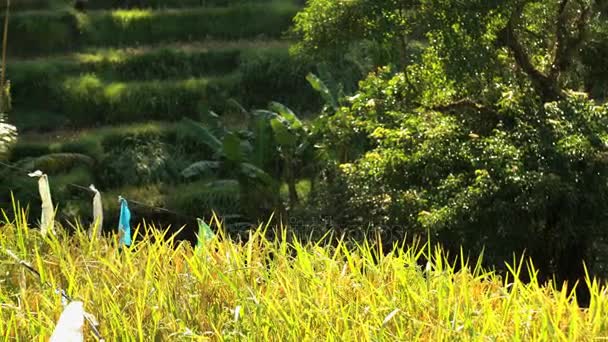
(291, 184)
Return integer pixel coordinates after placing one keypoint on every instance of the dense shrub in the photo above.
(95, 143)
(139, 162)
(131, 158)
(87, 144)
(147, 154)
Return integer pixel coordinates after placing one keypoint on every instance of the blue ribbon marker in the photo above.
(124, 222)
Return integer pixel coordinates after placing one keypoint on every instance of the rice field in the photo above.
(277, 289)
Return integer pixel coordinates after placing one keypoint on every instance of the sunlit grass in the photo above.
(127, 16)
(279, 289)
(85, 84)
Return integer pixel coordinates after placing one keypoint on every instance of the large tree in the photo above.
(486, 139)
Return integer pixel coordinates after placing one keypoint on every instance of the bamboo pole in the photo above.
(3, 105)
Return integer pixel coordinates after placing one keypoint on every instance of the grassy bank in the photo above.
(279, 290)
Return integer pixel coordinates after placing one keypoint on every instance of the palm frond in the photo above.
(254, 172)
(286, 113)
(205, 135)
(322, 88)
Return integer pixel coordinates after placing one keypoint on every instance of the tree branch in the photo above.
(547, 88)
(566, 46)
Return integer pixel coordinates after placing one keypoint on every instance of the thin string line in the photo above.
(64, 295)
(87, 189)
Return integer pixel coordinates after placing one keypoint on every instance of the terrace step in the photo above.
(88, 141)
(161, 62)
(87, 100)
(41, 32)
(25, 5)
(152, 82)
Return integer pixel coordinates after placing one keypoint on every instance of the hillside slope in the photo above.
(112, 84)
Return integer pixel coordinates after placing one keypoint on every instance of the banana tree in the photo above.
(234, 157)
(293, 143)
(273, 147)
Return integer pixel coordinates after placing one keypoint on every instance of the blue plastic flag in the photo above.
(204, 233)
(124, 222)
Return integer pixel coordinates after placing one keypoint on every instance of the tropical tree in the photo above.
(293, 144)
(234, 160)
(269, 148)
(487, 139)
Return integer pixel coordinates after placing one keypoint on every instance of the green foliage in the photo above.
(114, 157)
(24, 149)
(24, 4)
(233, 151)
(143, 64)
(352, 38)
(509, 186)
(139, 162)
(276, 136)
(231, 147)
(318, 85)
(595, 73)
(106, 67)
(325, 28)
(479, 141)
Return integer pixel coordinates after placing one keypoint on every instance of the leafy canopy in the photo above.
(484, 138)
